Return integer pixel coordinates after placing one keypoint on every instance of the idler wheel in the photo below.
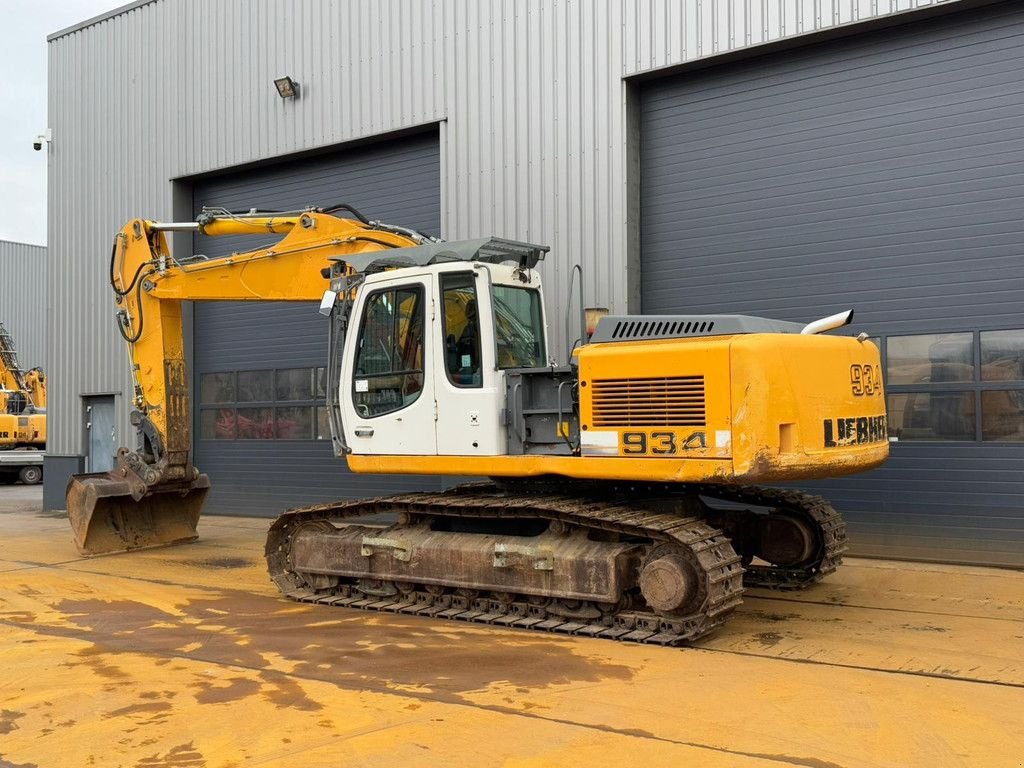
(787, 540)
(667, 582)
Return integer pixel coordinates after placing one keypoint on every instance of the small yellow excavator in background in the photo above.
(621, 501)
(22, 400)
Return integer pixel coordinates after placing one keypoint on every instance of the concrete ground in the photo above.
(186, 657)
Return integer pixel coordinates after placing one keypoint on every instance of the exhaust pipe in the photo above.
(829, 323)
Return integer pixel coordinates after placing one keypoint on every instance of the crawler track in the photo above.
(821, 519)
(710, 554)
(827, 525)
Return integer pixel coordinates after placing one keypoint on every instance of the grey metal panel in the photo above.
(398, 182)
(23, 300)
(883, 172)
(56, 471)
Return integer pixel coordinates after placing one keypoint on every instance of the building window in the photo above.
(217, 388)
(1002, 415)
(930, 358)
(1002, 355)
(255, 386)
(270, 404)
(965, 386)
(932, 415)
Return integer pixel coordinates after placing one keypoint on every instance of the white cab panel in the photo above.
(447, 399)
(468, 416)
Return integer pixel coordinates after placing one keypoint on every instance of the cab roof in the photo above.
(488, 250)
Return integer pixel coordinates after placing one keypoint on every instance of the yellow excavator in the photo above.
(621, 501)
(22, 400)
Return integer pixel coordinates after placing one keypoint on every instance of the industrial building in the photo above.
(23, 300)
(784, 158)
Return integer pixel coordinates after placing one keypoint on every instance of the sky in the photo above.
(26, 23)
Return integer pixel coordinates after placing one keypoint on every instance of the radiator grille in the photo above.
(655, 402)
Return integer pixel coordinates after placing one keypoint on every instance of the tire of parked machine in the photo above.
(31, 475)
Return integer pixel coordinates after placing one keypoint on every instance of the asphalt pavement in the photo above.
(186, 656)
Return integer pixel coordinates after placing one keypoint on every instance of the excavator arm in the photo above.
(154, 494)
(35, 385)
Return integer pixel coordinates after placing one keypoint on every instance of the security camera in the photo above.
(41, 139)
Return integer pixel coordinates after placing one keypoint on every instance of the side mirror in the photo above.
(327, 302)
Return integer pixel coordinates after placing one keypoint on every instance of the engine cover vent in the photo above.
(655, 402)
(645, 327)
(635, 329)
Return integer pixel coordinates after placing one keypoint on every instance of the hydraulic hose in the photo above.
(113, 256)
(345, 207)
(137, 283)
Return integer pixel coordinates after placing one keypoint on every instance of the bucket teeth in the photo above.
(109, 514)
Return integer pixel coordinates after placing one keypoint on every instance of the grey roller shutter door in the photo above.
(398, 182)
(883, 172)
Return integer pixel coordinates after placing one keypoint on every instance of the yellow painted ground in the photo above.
(186, 657)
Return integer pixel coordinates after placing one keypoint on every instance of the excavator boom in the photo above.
(154, 494)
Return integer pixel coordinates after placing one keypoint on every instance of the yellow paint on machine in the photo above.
(759, 407)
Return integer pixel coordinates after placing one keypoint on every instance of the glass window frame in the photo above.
(313, 403)
(536, 303)
(976, 386)
(258, 374)
(233, 386)
(422, 294)
(281, 378)
(441, 278)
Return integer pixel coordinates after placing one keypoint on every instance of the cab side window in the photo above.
(389, 355)
(518, 327)
(461, 328)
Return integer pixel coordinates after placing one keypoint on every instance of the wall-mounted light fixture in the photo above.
(286, 87)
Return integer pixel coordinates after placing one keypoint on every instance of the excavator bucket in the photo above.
(108, 514)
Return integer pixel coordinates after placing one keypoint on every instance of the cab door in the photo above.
(387, 392)
(470, 390)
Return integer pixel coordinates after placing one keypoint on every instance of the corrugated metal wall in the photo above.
(533, 143)
(23, 300)
(883, 172)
